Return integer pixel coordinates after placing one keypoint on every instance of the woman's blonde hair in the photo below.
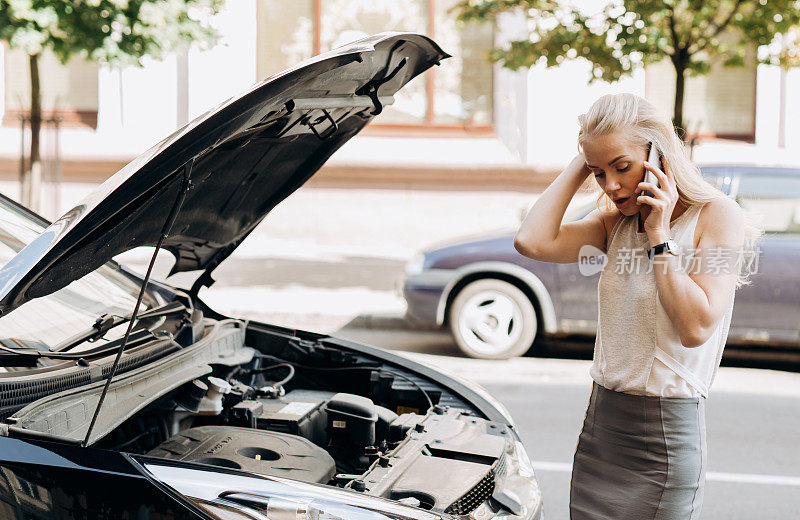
(643, 124)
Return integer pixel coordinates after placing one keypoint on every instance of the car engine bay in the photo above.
(280, 403)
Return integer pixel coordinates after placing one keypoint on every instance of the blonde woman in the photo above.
(665, 301)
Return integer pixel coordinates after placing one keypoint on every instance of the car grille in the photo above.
(480, 492)
(500, 467)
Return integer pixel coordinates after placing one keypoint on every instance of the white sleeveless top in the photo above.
(637, 348)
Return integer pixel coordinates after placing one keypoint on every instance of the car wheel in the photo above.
(493, 319)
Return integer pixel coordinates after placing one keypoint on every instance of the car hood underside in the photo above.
(238, 161)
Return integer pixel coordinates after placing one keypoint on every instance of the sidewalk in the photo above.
(359, 221)
(334, 229)
(334, 226)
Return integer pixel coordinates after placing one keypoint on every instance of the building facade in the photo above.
(466, 123)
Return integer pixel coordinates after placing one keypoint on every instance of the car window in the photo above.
(714, 179)
(774, 199)
(579, 208)
(56, 317)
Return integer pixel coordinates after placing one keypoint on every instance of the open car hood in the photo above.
(241, 158)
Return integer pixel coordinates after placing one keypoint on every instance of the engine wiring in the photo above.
(283, 381)
(339, 369)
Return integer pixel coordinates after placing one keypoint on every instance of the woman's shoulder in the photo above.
(609, 215)
(720, 217)
(721, 208)
(610, 218)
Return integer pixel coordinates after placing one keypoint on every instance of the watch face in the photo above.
(673, 247)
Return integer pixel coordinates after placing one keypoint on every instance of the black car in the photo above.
(496, 302)
(175, 411)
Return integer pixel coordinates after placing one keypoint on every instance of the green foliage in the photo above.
(628, 33)
(109, 31)
(117, 32)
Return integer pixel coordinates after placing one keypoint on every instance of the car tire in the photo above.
(493, 319)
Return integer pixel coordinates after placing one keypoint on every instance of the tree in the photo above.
(625, 34)
(116, 32)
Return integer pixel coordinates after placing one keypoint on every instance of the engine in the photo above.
(384, 434)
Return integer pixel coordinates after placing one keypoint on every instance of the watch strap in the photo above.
(659, 248)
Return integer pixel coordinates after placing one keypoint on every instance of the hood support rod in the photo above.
(185, 186)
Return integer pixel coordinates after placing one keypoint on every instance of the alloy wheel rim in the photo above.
(490, 322)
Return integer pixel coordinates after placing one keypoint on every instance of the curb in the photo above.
(384, 322)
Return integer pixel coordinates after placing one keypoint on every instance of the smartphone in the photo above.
(653, 157)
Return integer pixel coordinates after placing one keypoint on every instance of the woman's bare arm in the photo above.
(695, 299)
(542, 236)
(696, 302)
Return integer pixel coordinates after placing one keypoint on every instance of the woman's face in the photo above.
(617, 165)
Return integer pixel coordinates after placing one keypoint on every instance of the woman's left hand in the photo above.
(662, 203)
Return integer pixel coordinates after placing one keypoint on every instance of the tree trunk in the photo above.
(679, 62)
(31, 181)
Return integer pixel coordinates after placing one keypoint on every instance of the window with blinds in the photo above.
(458, 93)
(68, 92)
(720, 104)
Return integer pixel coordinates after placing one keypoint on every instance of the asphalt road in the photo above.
(750, 439)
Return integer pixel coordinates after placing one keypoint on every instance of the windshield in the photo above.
(55, 318)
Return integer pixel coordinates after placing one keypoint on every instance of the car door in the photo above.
(769, 308)
(576, 306)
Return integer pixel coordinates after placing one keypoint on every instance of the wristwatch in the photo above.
(670, 247)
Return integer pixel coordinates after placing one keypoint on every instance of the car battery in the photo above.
(299, 412)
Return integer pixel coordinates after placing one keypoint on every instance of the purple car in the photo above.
(497, 302)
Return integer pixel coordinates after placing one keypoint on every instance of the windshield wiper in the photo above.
(26, 353)
(16, 352)
(106, 322)
(11, 356)
(101, 325)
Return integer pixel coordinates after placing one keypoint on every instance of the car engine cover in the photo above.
(263, 452)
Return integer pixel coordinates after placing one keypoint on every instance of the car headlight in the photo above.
(516, 488)
(416, 264)
(229, 496)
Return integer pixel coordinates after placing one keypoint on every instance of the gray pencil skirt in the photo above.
(639, 458)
